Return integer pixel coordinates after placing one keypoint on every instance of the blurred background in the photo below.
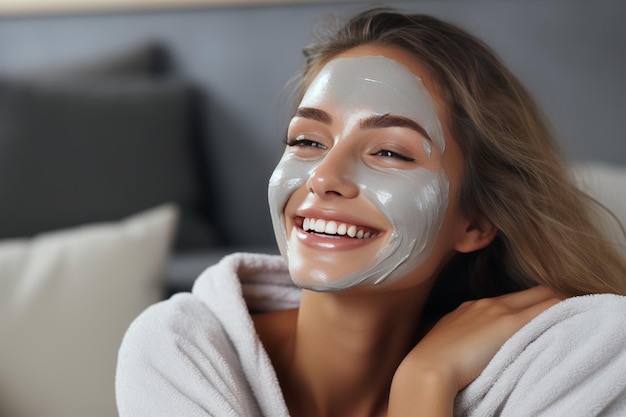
(570, 54)
(109, 108)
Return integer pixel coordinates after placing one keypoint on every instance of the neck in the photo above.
(347, 347)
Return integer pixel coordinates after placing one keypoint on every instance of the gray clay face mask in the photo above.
(414, 201)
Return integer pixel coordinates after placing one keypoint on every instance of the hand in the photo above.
(456, 350)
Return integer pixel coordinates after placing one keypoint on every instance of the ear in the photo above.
(477, 235)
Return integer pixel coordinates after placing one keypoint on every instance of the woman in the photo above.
(417, 175)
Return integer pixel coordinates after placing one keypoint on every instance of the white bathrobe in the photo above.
(197, 354)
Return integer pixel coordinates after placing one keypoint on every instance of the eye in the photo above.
(391, 154)
(304, 143)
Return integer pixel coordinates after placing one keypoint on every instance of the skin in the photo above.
(389, 153)
(361, 351)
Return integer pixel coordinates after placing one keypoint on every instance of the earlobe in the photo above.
(477, 235)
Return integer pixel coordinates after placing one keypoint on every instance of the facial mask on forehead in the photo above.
(379, 85)
(414, 201)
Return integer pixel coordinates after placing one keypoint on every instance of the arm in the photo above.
(420, 392)
(458, 348)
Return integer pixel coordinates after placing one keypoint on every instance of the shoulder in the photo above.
(579, 318)
(178, 321)
(569, 360)
(581, 334)
(175, 359)
(589, 327)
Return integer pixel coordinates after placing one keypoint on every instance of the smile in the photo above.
(335, 228)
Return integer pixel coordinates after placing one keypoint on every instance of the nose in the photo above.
(334, 176)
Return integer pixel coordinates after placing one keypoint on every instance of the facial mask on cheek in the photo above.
(413, 201)
(289, 175)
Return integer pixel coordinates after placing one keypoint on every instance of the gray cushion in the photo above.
(79, 151)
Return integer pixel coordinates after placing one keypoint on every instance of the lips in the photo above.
(335, 228)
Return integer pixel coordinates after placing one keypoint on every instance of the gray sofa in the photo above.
(104, 116)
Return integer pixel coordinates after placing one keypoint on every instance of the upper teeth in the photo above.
(332, 227)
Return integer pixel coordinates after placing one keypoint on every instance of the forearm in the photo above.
(415, 394)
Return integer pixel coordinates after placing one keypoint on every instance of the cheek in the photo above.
(290, 174)
(416, 207)
(408, 198)
(425, 210)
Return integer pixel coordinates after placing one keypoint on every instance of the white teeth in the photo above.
(331, 227)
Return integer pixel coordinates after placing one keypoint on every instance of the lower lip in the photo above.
(335, 242)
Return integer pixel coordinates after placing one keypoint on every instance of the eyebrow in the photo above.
(372, 122)
(389, 120)
(315, 114)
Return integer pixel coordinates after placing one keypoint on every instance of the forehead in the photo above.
(376, 84)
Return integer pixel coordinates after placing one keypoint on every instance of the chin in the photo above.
(306, 279)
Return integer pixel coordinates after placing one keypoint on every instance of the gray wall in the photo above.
(570, 54)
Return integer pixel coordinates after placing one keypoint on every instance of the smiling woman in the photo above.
(411, 147)
(369, 154)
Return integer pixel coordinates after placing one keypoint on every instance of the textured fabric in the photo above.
(198, 354)
(66, 299)
(569, 361)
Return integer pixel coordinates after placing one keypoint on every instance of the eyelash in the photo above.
(391, 154)
(303, 142)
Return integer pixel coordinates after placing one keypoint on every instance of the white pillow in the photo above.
(607, 184)
(66, 299)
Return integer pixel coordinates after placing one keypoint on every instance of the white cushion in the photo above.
(607, 184)
(66, 299)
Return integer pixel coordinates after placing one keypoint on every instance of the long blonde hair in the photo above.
(513, 175)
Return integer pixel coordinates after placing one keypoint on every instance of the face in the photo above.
(361, 193)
